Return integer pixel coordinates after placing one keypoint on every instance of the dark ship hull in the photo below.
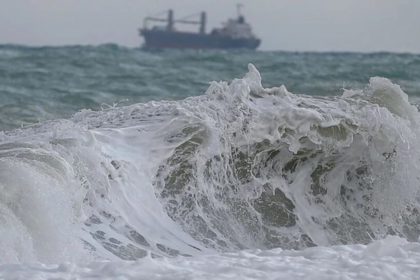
(159, 39)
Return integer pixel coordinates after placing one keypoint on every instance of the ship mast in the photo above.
(203, 20)
(239, 7)
(170, 25)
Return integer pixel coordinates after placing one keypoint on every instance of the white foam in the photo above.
(78, 189)
(391, 258)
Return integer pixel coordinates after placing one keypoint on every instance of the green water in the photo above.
(38, 84)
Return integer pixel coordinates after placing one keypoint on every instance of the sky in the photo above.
(291, 25)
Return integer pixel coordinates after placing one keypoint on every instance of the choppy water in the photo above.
(49, 83)
(332, 159)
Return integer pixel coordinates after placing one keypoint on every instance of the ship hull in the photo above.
(161, 39)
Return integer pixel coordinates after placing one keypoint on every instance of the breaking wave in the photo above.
(240, 167)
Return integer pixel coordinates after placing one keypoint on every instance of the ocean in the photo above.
(121, 163)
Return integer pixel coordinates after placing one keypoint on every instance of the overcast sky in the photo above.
(295, 25)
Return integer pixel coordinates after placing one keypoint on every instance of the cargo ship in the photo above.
(234, 34)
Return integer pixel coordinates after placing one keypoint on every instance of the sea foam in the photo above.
(241, 167)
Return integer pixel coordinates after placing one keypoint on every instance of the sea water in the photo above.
(115, 162)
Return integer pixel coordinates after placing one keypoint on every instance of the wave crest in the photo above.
(239, 167)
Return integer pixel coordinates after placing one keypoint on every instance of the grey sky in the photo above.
(296, 25)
